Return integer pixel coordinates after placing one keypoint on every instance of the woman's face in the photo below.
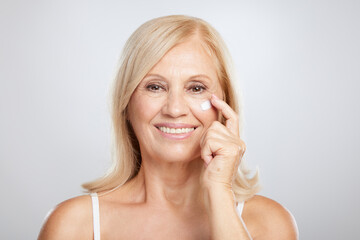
(165, 109)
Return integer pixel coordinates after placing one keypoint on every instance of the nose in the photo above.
(175, 105)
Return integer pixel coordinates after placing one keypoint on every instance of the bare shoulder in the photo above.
(268, 219)
(71, 219)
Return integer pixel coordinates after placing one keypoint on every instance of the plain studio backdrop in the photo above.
(297, 66)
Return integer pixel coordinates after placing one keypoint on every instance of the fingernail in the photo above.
(214, 96)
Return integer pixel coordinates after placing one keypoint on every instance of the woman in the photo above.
(177, 172)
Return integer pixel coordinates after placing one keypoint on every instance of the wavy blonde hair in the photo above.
(143, 50)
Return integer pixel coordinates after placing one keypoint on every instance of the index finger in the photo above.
(230, 116)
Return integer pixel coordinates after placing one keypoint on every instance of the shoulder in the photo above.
(71, 219)
(268, 219)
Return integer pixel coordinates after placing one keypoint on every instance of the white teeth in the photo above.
(176, 130)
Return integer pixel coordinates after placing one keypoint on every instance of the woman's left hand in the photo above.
(222, 148)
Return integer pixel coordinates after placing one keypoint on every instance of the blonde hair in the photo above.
(144, 49)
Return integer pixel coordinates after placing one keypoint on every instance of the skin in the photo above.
(183, 189)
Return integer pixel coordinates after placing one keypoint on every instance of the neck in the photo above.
(175, 184)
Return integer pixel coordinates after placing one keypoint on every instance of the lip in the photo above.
(175, 125)
(175, 136)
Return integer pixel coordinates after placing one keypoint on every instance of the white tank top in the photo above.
(96, 214)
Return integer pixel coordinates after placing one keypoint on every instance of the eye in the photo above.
(154, 87)
(197, 89)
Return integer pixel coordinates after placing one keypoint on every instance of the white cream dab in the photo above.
(205, 105)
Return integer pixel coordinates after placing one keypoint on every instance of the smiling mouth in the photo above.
(176, 130)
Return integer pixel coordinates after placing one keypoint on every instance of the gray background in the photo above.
(297, 63)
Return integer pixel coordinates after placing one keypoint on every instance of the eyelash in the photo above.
(150, 86)
(159, 87)
(202, 88)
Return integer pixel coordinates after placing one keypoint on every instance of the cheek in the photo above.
(206, 117)
(142, 110)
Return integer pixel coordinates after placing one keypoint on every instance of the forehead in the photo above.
(185, 60)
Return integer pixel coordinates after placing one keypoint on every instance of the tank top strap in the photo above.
(96, 215)
(240, 208)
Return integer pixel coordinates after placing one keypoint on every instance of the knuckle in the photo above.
(206, 140)
(233, 150)
(216, 124)
(242, 145)
(237, 117)
(210, 131)
(203, 154)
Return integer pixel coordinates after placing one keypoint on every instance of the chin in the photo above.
(179, 156)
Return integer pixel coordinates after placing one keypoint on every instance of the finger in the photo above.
(209, 149)
(217, 129)
(230, 116)
(206, 153)
(219, 132)
(213, 145)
